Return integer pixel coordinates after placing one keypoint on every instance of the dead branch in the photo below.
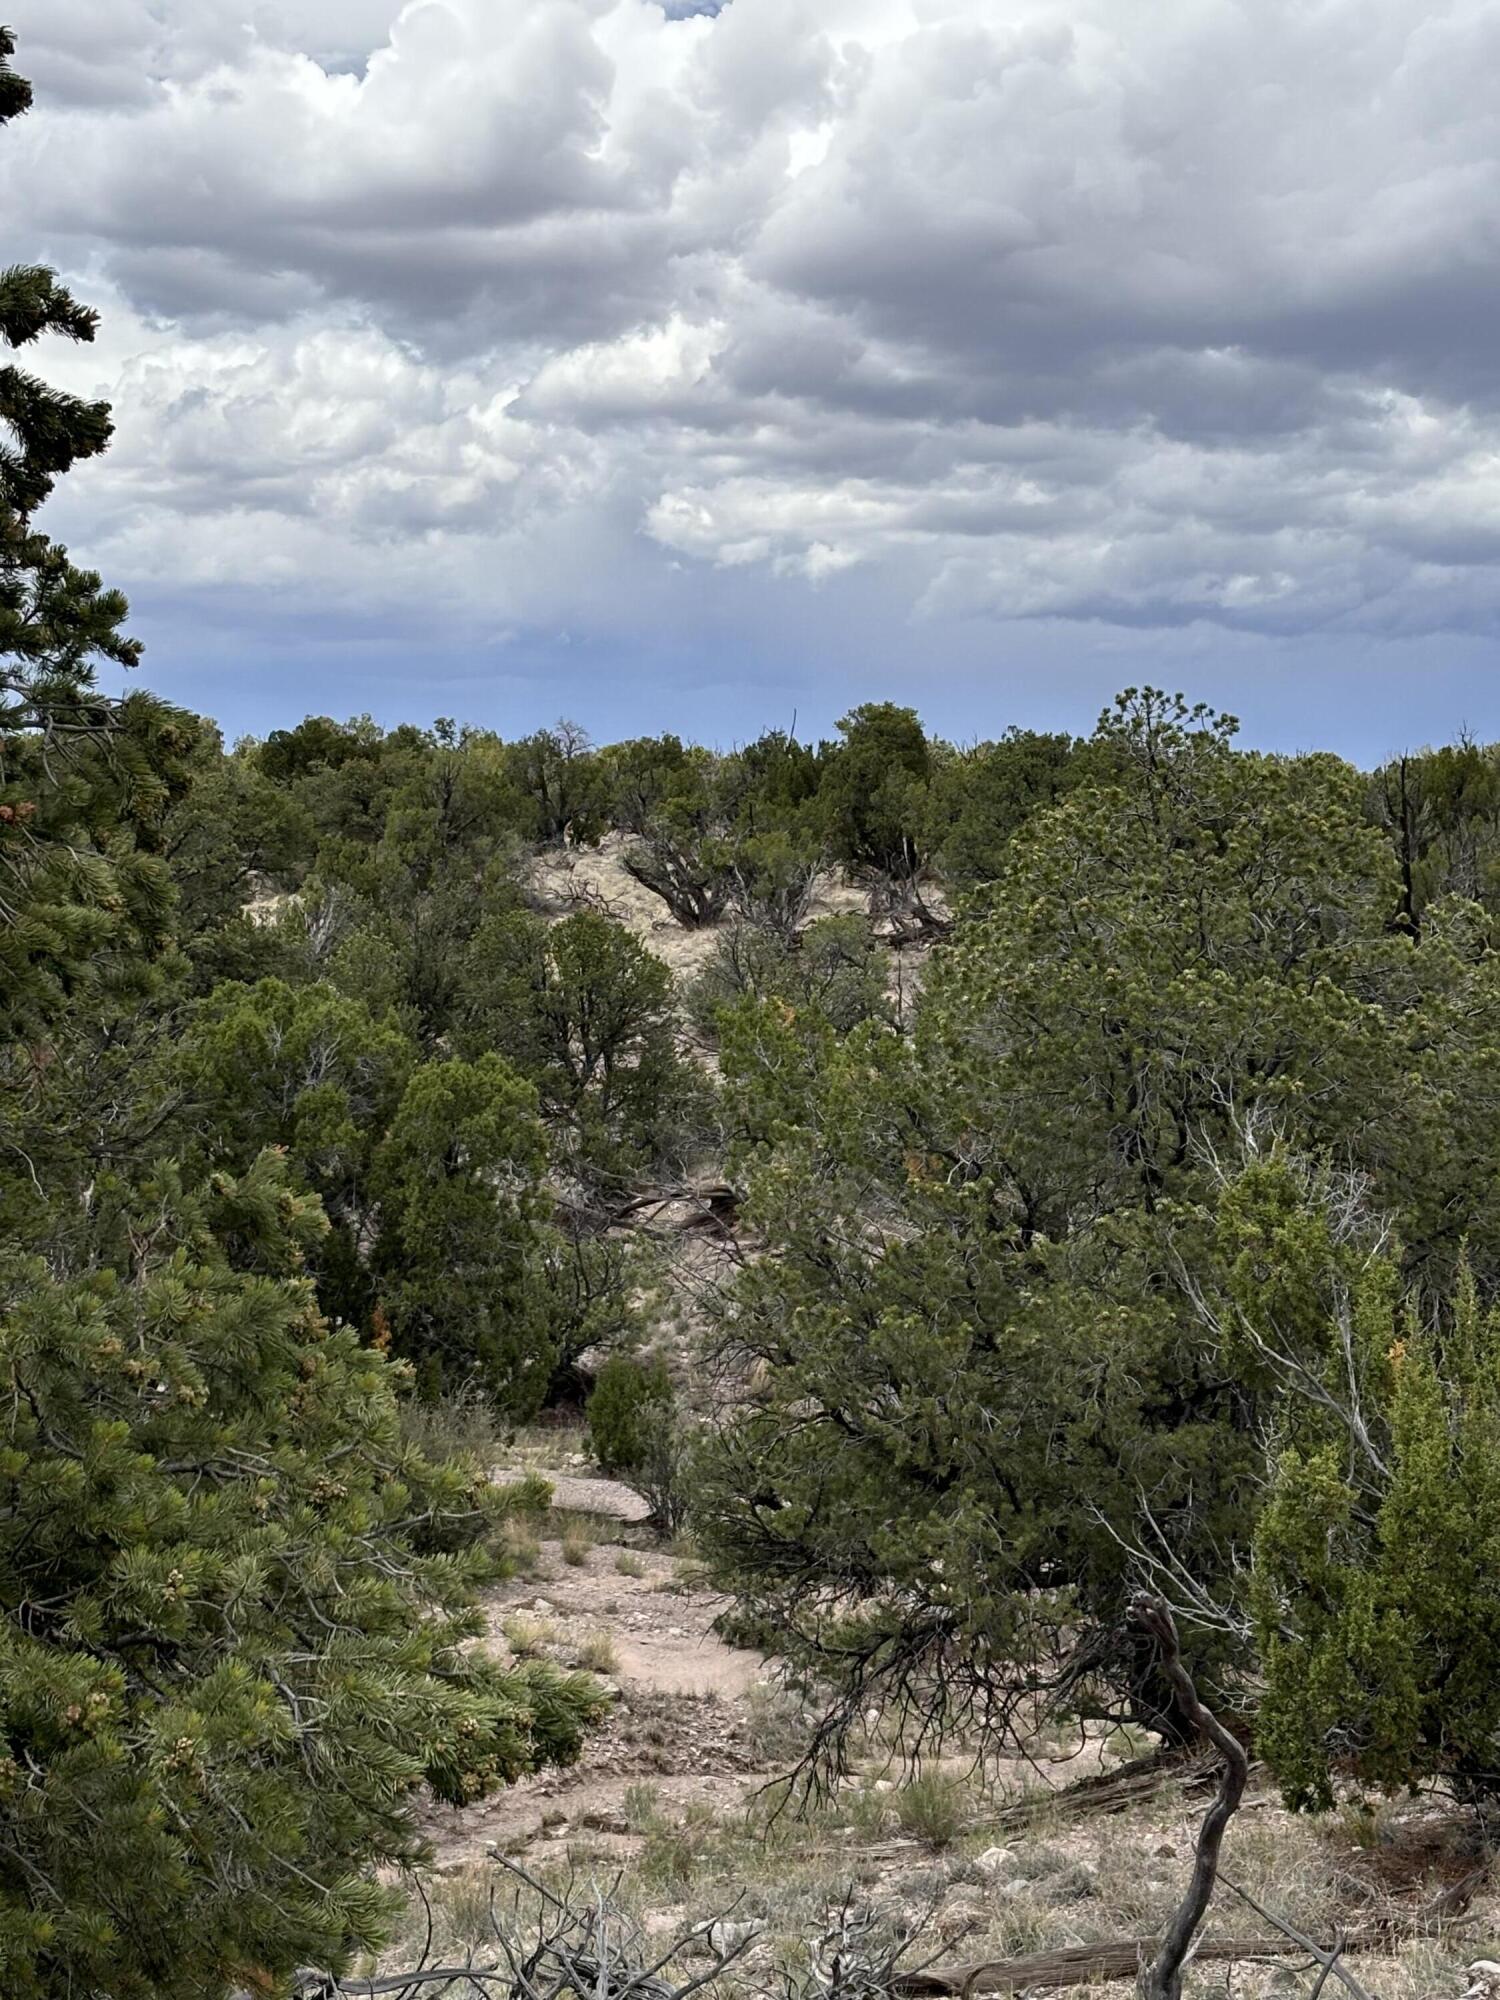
(575, 1943)
(550, 1945)
(1105, 1792)
(1122, 1958)
(1098, 1964)
(1162, 1979)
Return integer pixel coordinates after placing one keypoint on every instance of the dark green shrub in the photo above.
(638, 1435)
(627, 1399)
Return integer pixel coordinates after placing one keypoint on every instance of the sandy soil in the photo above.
(565, 879)
(572, 878)
(684, 1713)
(573, 1493)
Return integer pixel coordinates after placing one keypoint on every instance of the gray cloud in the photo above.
(1156, 317)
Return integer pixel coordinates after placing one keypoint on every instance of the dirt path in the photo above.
(689, 1713)
(697, 1727)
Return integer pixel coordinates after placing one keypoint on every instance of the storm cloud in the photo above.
(997, 310)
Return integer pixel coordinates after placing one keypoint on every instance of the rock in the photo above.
(1075, 1884)
(543, 1607)
(728, 1934)
(553, 1819)
(1166, 1852)
(995, 1861)
(960, 1915)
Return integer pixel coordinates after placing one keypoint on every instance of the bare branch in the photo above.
(1162, 1980)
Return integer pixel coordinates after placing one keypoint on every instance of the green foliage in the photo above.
(874, 794)
(1201, 934)
(639, 1434)
(639, 777)
(1377, 1553)
(975, 1326)
(236, 1607)
(309, 1071)
(557, 773)
(627, 1398)
(933, 1491)
(685, 858)
(834, 970)
(587, 1014)
(1190, 1145)
(458, 1179)
(981, 798)
(303, 1068)
(316, 744)
(232, 832)
(1440, 811)
(774, 875)
(235, 1613)
(84, 780)
(716, 834)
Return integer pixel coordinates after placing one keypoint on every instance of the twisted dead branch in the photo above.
(1162, 1979)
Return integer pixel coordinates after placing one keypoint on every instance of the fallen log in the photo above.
(1101, 1964)
(1122, 1958)
(1080, 1965)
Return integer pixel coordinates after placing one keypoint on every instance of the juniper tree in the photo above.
(981, 798)
(1376, 1555)
(557, 770)
(873, 792)
(231, 835)
(586, 1013)
(976, 1364)
(306, 1069)
(463, 1213)
(833, 973)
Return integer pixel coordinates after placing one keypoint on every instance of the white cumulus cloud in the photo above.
(1012, 309)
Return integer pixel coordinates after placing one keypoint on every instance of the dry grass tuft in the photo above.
(526, 1636)
(598, 1652)
(935, 1806)
(577, 1542)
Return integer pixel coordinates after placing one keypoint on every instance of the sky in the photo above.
(703, 366)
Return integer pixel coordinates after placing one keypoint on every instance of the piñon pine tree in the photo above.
(83, 779)
(235, 1608)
